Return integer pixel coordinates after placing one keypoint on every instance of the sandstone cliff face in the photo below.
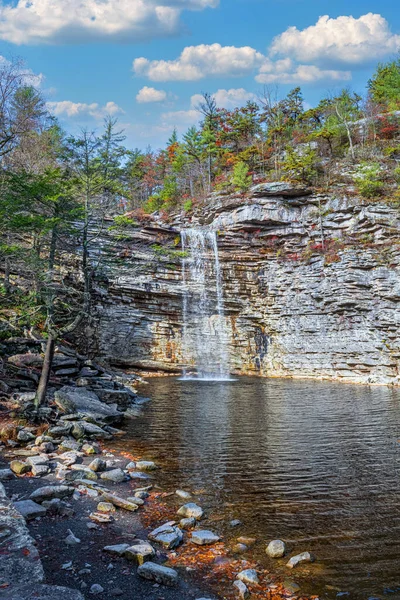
(294, 307)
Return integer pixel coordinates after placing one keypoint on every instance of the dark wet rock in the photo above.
(116, 476)
(119, 397)
(49, 492)
(96, 589)
(304, 557)
(168, 535)
(71, 400)
(158, 573)
(140, 552)
(6, 474)
(60, 430)
(204, 537)
(276, 549)
(30, 509)
(43, 592)
(191, 510)
(248, 576)
(25, 436)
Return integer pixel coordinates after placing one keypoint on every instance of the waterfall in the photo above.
(205, 334)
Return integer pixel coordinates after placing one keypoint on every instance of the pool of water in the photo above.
(313, 463)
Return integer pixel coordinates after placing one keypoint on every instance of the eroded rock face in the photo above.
(294, 307)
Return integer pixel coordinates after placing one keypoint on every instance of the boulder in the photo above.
(276, 549)
(115, 475)
(51, 491)
(19, 467)
(74, 399)
(191, 510)
(140, 552)
(158, 573)
(168, 535)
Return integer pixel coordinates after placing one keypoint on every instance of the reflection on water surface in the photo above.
(313, 463)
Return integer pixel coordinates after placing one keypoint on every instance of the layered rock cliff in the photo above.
(311, 285)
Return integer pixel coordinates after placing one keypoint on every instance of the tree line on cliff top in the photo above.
(56, 190)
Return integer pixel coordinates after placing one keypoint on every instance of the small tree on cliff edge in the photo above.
(241, 178)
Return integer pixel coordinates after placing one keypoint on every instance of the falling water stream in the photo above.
(205, 334)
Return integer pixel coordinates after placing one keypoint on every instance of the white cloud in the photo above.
(343, 40)
(286, 71)
(181, 118)
(81, 21)
(198, 62)
(150, 94)
(226, 98)
(77, 109)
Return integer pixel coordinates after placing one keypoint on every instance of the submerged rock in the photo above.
(203, 537)
(304, 557)
(248, 576)
(242, 589)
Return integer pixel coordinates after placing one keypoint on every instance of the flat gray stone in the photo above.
(118, 550)
(30, 509)
(40, 470)
(168, 535)
(203, 537)
(158, 573)
(78, 400)
(37, 460)
(51, 491)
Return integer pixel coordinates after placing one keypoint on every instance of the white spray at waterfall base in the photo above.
(205, 333)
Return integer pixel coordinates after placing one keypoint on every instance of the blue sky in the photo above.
(146, 61)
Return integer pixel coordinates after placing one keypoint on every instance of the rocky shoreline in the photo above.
(98, 524)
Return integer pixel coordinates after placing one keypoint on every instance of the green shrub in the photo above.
(188, 205)
(123, 221)
(153, 204)
(368, 182)
(300, 166)
(396, 174)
